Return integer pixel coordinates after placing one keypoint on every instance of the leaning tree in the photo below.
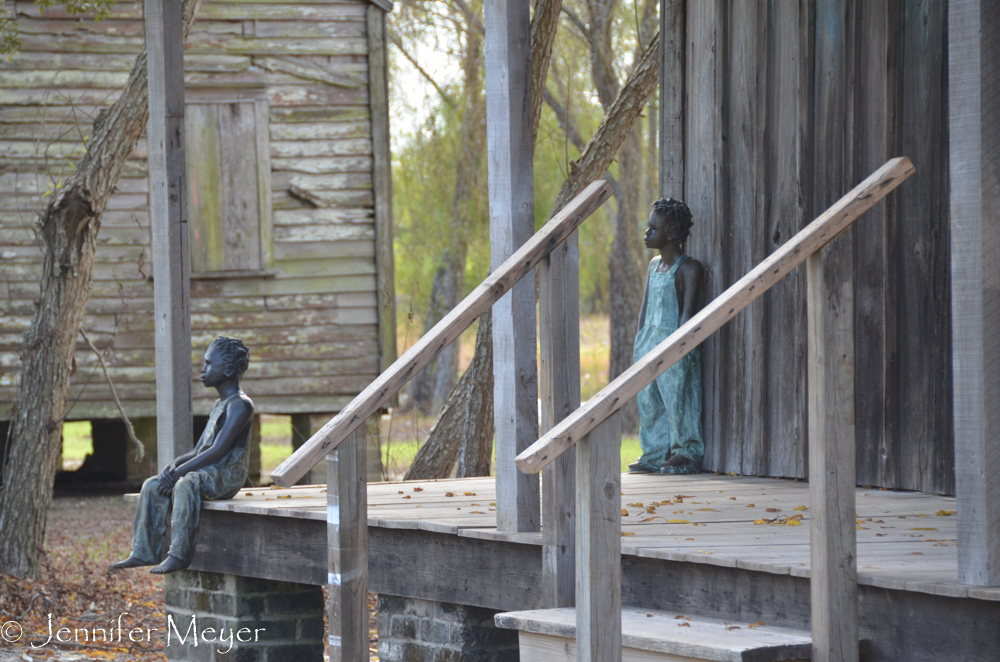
(68, 230)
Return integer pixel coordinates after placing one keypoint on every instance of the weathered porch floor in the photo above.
(905, 541)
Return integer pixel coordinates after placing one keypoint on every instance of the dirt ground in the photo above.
(84, 535)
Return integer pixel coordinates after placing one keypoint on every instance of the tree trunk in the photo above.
(467, 418)
(626, 278)
(431, 387)
(464, 431)
(68, 230)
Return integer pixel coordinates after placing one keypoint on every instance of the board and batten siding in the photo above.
(772, 111)
(312, 320)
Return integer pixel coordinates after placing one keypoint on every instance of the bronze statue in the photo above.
(215, 469)
(670, 430)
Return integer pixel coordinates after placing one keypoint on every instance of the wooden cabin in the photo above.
(289, 209)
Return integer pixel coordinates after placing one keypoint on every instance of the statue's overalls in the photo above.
(221, 480)
(669, 407)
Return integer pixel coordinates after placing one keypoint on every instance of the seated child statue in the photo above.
(670, 431)
(215, 469)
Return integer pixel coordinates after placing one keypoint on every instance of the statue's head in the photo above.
(676, 219)
(233, 356)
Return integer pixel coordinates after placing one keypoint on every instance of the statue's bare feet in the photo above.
(130, 562)
(170, 564)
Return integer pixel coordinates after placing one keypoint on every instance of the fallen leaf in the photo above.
(447, 494)
(917, 553)
(678, 521)
(284, 496)
(689, 539)
(651, 509)
(418, 489)
(400, 492)
(944, 513)
(681, 617)
(774, 510)
(650, 519)
(407, 496)
(684, 625)
(624, 513)
(760, 521)
(732, 498)
(634, 505)
(701, 551)
(683, 496)
(493, 503)
(649, 615)
(749, 505)
(628, 533)
(277, 487)
(468, 494)
(732, 627)
(754, 625)
(800, 508)
(704, 509)
(477, 512)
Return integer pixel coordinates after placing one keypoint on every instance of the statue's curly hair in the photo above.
(235, 355)
(677, 216)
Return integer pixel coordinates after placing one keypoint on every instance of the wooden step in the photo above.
(549, 635)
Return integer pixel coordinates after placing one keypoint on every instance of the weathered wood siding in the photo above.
(312, 326)
(785, 107)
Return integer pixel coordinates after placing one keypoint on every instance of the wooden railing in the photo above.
(595, 429)
(516, 267)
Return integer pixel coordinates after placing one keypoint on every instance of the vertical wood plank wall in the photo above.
(313, 328)
(750, 154)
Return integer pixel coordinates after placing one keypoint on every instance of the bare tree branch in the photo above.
(565, 121)
(398, 43)
(140, 449)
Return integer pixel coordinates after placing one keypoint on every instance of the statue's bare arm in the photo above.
(690, 276)
(238, 414)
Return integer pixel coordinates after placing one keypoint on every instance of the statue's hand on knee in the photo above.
(168, 478)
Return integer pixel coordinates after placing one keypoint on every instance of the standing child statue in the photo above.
(215, 469)
(670, 432)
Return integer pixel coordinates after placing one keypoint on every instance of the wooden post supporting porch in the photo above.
(512, 222)
(347, 550)
(168, 217)
(974, 145)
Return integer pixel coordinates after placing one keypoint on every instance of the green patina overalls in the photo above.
(669, 407)
(221, 480)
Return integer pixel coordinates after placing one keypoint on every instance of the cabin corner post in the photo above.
(378, 82)
(974, 137)
(559, 386)
(512, 222)
(833, 537)
(347, 545)
(169, 221)
(598, 543)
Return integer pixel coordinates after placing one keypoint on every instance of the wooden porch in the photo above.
(700, 552)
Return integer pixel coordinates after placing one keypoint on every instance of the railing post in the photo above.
(347, 545)
(833, 537)
(512, 222)
(598, 544)
(559, 384)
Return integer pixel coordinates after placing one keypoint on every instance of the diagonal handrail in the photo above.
(444, 332)
(740, 295)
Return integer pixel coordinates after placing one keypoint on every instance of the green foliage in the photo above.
(10, 36)
(425, 150)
